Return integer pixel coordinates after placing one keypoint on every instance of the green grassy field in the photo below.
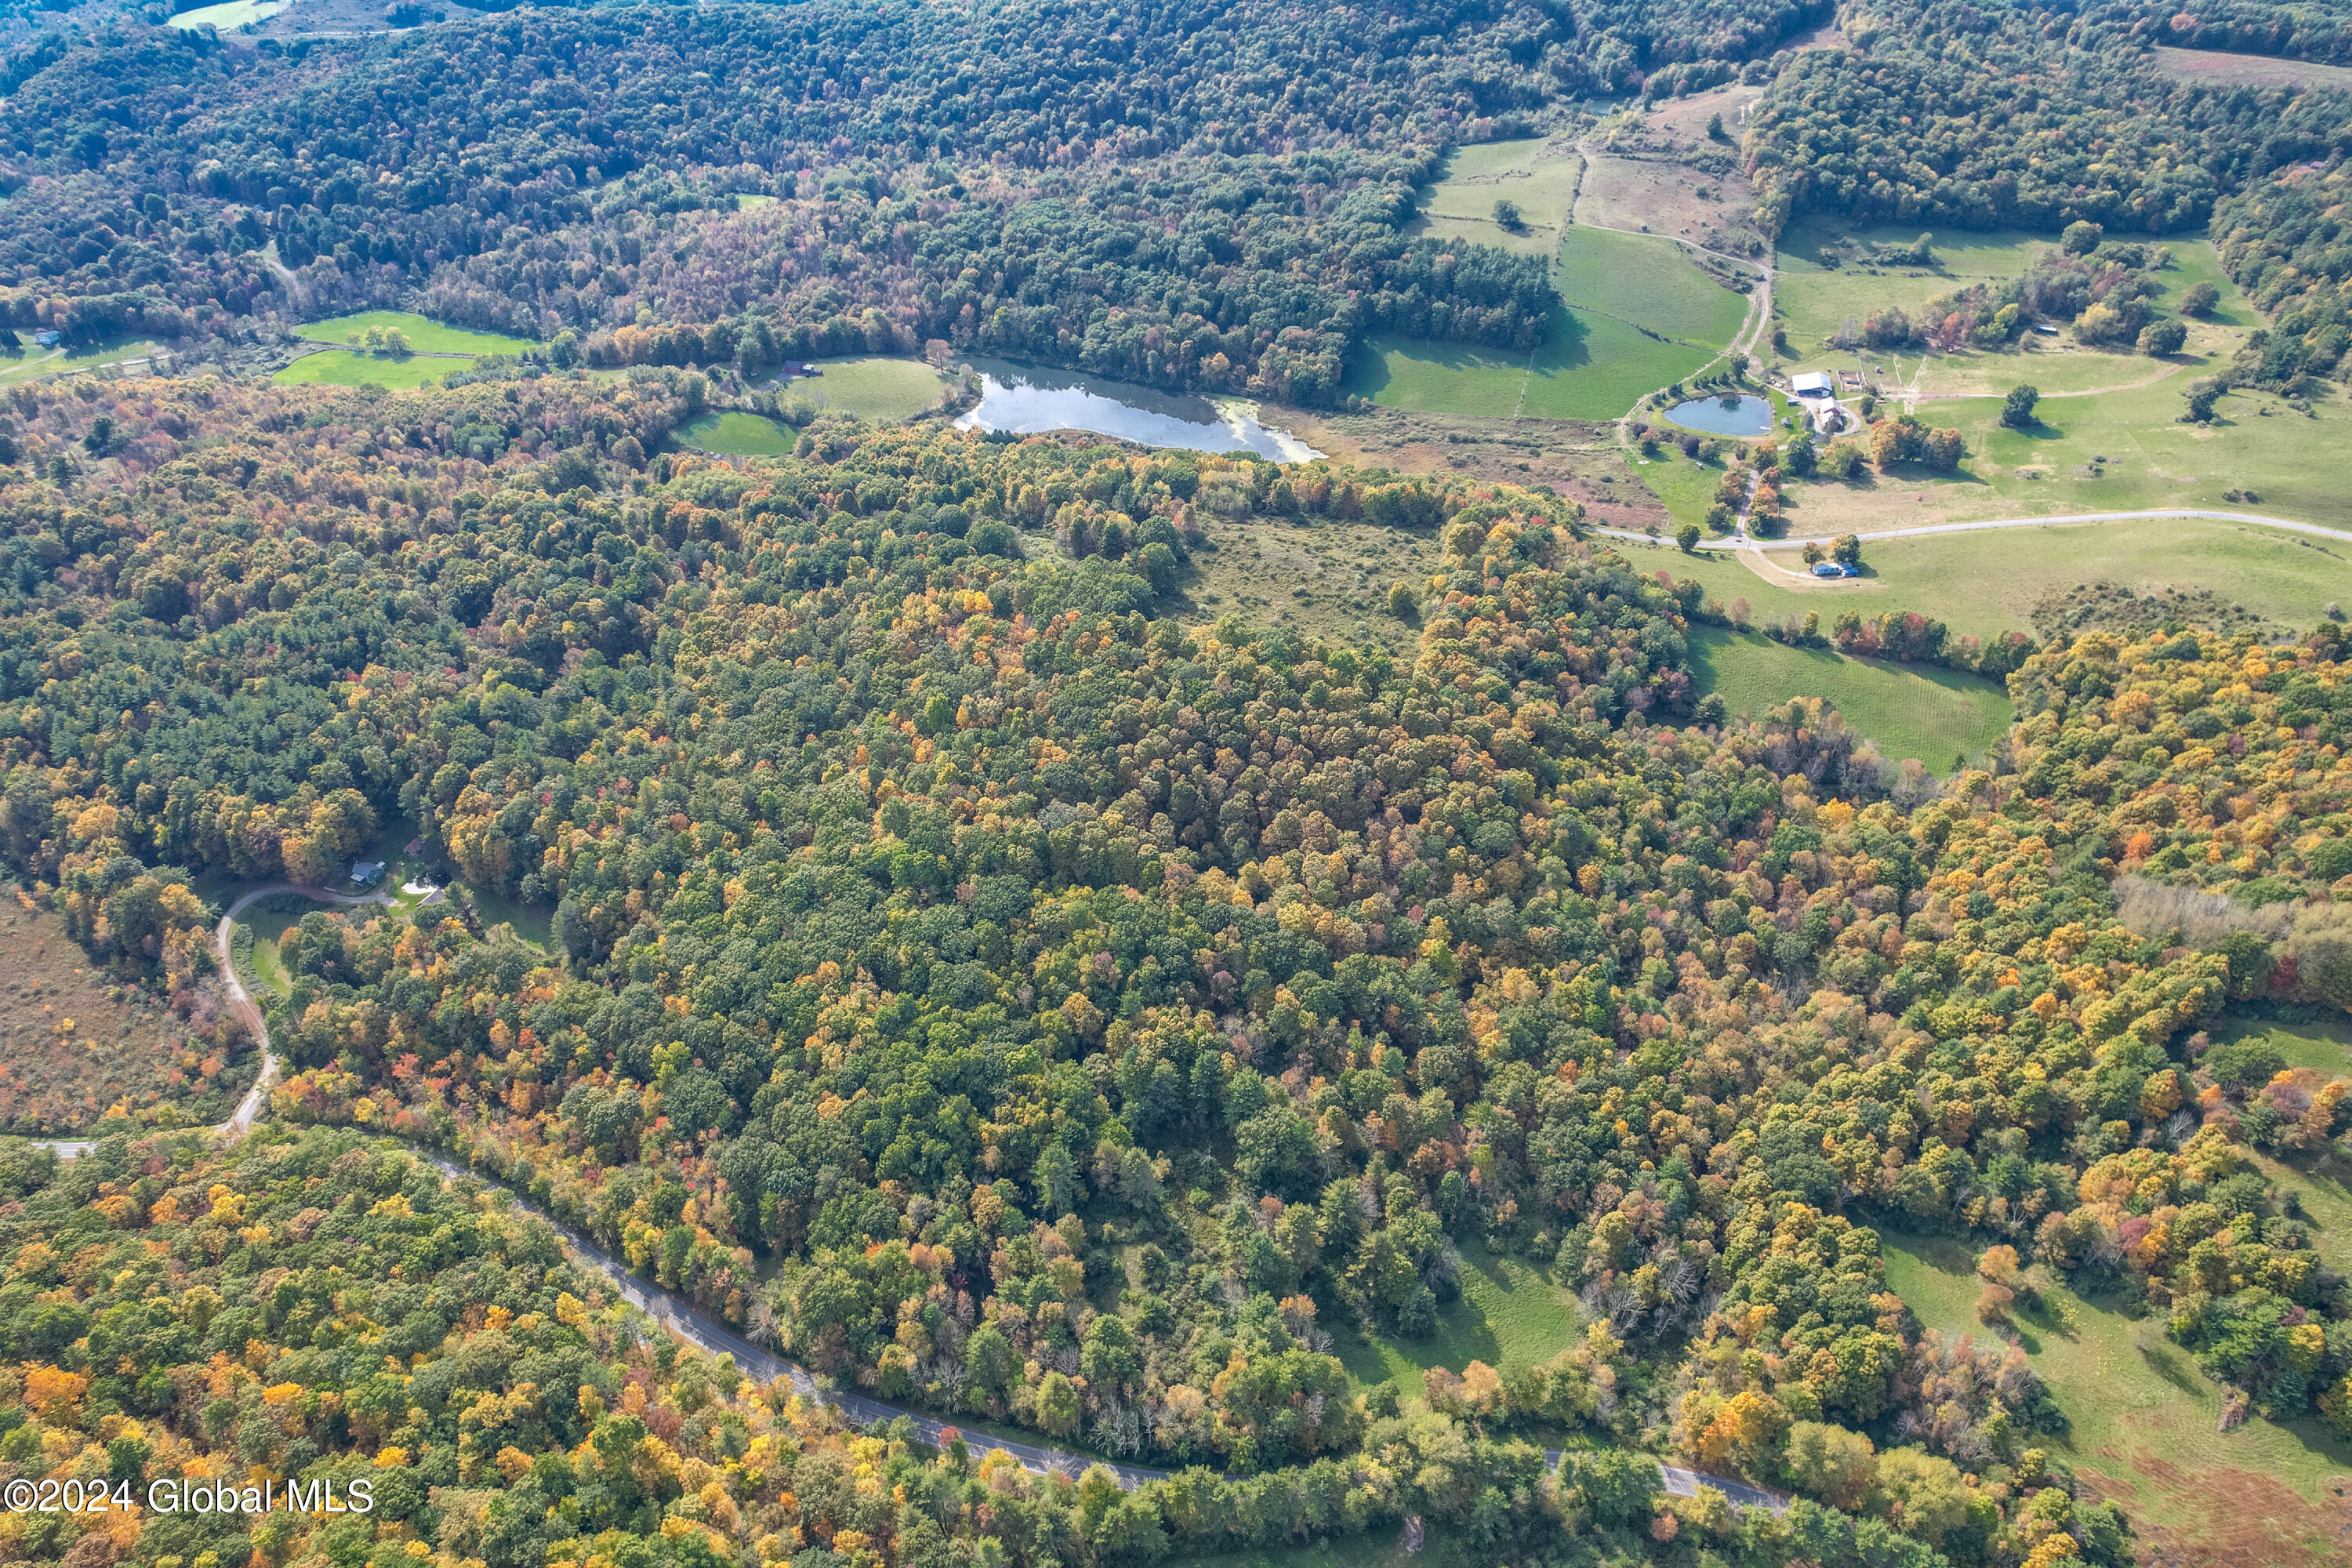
(342, 367)
(878, 388)
(1686, 488)
(2117, 451)
(425, 335)
(2141, 1422)
(1591, 367)
(531, 924)
(269, 969)
(1508, 1314)
(1985, 583)
(228, 16)
(1814, 300)
(2322, 1189)
(1440, 378)
(32, 361)
(2324, 1047)
(738, 434)
(1597, 361)
(1919, 712)
(1540, 179)
(1648, 282)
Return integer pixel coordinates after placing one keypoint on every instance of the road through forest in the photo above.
(699, 1328)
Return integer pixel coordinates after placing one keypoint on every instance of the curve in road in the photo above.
(697, 1327)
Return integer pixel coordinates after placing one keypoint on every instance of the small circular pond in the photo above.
(1731, 416)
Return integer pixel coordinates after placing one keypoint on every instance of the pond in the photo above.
(1029, 400)
(1724, 415)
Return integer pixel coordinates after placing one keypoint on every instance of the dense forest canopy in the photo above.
(1195, 196)
(1005, 999)
(969, 971)
(1228, 182)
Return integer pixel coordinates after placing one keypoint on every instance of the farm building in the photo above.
(1811, 383)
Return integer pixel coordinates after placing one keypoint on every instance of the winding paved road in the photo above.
(699, 1328)
(1740, 541)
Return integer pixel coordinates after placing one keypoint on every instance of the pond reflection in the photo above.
(1031, 399)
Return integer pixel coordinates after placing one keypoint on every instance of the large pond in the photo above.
(1739, 415)
(1029, 400)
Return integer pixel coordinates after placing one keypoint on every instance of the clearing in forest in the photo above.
(1661, 173)
(2218, 69)
(1983, 584)
(1509, 1313)
(424, 335)
(1829, 287)
(1590, 367)
(1536, 176)
(347, 367)
(1648, 283)
(1911, 712)
(228, 16)
(880, 389)
(1326, 578)
(735, 434)
(2141, 1423)
(2119, 451)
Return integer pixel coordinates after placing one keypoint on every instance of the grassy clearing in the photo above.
(342, 367)
(2117, 451)
(268, 967)
(739, 434)
(2056, 368)
(529, 923)
(1646, 282)
(1662, 196)
(1508, 1314)
(2324, 1046)
(1686, 488)
(2219, 68)
(2141, 1419)
(880, 389)
(1813, 300)
(1440, 378)
(1600, 356)
(1581, 460)
(1330, 580)
(31, 363)
(229, 15)
(1987, 582)
(425, 334)
(1591, 367)
(1603, 367)
(2321, 1191)
(1926, 714)
(1533, 174)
